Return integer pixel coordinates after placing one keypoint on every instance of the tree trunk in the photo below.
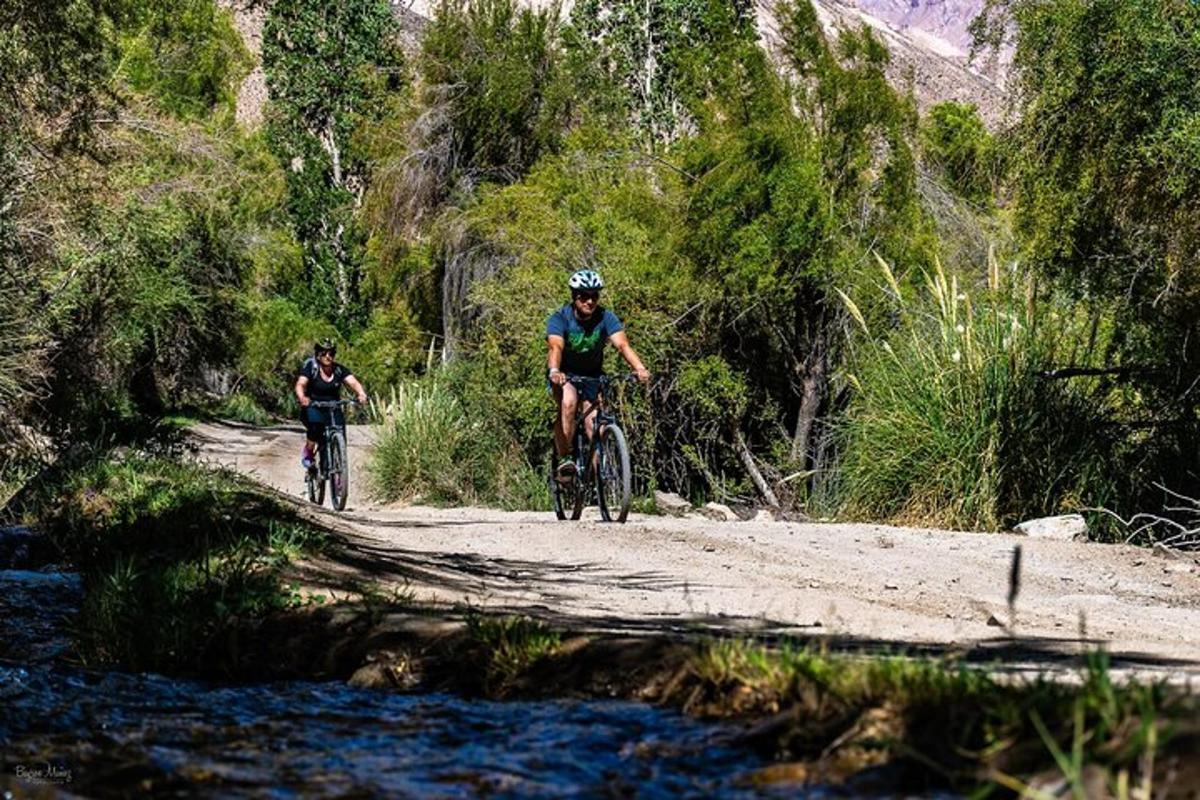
(752, 469)
(815, 385)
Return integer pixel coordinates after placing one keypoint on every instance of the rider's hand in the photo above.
(304, 401)
(362, 398)
(558, 378)
(643, 375)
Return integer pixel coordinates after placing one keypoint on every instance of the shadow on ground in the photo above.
(545, 586)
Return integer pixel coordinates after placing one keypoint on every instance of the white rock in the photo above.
(1063, 528)
(763, 515)
(671, 503)
(719, 511)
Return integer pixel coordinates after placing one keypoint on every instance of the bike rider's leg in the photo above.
(588, 417)
(312, 440)
(564, 428)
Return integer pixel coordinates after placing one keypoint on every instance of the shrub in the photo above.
(953, 137)
(952, 423)
(243, 408)
(440, 446)
(171, 554)
(427, 446)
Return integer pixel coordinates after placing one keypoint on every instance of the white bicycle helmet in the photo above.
(585, 280)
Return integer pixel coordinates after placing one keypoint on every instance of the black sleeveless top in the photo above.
(318, 387)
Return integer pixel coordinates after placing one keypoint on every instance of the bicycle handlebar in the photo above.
(331, 403)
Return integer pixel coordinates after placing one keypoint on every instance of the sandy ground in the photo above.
(857, 586)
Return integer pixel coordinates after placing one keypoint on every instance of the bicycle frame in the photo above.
(604, 416)
(333, 465)
(337, 421)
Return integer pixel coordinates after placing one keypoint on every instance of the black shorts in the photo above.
(588, 391)
(315, 421)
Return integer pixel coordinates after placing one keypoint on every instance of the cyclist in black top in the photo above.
(321, 378)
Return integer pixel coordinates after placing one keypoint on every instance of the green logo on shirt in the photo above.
(580, 342)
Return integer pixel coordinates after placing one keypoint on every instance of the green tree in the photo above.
(955, 140)
(57, 58)
(795, 182)
(187, 54)
(492, 101)
(1106, 160)
(327, 66)
(656, 54)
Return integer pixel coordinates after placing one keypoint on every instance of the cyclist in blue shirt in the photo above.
(576, 335)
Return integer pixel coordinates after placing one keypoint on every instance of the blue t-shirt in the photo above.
(583, 342)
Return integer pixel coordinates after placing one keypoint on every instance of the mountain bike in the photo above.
(333, 459)
(601, 465)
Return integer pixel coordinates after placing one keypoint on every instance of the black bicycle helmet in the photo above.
(325, 345)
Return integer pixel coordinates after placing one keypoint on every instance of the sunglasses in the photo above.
(323, 353)
(590, 297)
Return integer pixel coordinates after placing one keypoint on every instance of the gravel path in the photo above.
(858, 586)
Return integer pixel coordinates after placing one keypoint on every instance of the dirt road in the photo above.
(858, 586)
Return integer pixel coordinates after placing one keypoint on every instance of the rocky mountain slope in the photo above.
(930, 44)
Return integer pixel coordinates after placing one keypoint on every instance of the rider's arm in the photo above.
(620, 341)
(357, 388)
(301, 390)
(554, 359)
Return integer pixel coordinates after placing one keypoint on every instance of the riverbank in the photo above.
(915, 723)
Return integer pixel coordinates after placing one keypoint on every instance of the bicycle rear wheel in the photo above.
(339, 471)
(614, 481)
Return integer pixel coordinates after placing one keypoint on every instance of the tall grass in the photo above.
(428, 448)
(240, 407)
(964, 727)
(952, 422)
(173, 555)
(431, 448)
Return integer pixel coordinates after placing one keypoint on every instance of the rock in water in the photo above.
(1064, 528)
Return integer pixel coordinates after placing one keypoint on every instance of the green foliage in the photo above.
(512, 645)
(713, 389)
(1105, 158)
(427, 447)
(171, 554)
(279, 336)
(186, 54)
(147, 284)
(56, 59)
(243, 408)
(434, 447)
(657, 56)
(125, 253)
(951, 423)
(327, 66)
(958, 722)
(506, 108)
(953, 138)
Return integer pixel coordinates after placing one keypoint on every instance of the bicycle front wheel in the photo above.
(614, 481)
(339, 471)
(567, 497)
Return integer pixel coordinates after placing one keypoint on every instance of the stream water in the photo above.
(114, 734)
